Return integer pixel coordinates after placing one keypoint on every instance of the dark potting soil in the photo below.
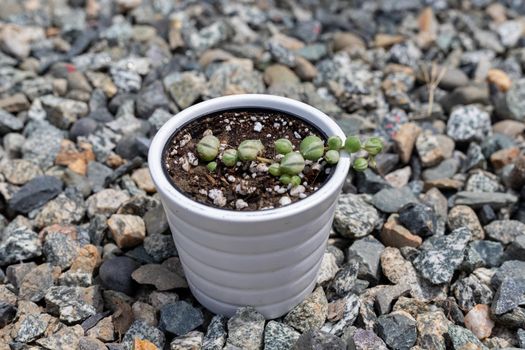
(248, 185)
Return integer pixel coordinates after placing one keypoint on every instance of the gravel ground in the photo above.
(426, 253)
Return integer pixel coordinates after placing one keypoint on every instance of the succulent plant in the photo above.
(211, 166)
(292, 163)
(295, 180)
(285, 179)
(360, 164)
(274, 169)
(250, 149)
(312, 147)
(373, 146)
(334, 143)
(230, 157)
(331, 156)
(283, 146)
(352, 144)
(208, 148)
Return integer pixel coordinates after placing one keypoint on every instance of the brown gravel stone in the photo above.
(144, 312)
(20, 171)
(462, 215)
(15, 103)
(127, 230)
(143, 180)
(511, 128)
(68, 230)
(143, 344)
(304, 69)
(499, 78)
(429, 149)
(279, 74)
(343, 40)
(395, 235)
(446, 144)
(103, 330)
(159, 276)
(444, 184)
(478, 321)
(387, 40)
(504, 156)
(516, 177)
(497, 12)
(73, 158)
(106, 202)
(405, 139)
(87, 260)
(400, 177)
(431, 327)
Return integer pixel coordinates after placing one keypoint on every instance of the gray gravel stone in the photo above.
(345, 279)
(367, 251)
(9, 122)
(31, 327)
(419, 219)
(366, 340)
(160, 247)
(140, 329)
(469, 292)
(505, 231)
(512, 269)
(328, 268)
(490, 252)
(7, 313)
(185, 88)
(468, 123)
(62, 112)
(508, 297)
(159, 276)
(397, 329)
(158, 118)
(179, 318)
(97, 174)
(391, 200)
(191, 340)
(317, 340)
(439, 258)
(216, 334)
(479, 199)
(444, 170)
(73, 304)
(36, 282)
(246, 329)
(461, 337)
(35, 193)
(310, 313)
(354, 216)
(350, 313)
(115, 274)
(515, 99)
(521, 338)
(67, 208)
(515, 251)
(150, 98)
(279, 336)
(60, 249)
(19, 245)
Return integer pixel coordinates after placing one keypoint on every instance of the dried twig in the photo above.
(432, 78)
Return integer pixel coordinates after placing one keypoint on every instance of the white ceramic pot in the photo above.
(267, 259)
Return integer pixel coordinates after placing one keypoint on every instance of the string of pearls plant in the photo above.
(292, 162)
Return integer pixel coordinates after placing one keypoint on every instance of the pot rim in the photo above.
(287, 105)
